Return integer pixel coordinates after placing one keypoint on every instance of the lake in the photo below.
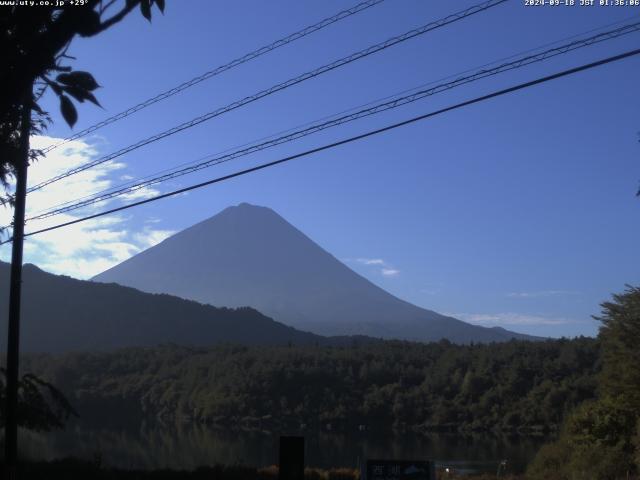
(187, 446)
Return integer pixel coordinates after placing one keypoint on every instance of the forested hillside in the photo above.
(61, 314)
(524, 386)
(600, 439)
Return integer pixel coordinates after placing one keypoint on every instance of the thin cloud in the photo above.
(384, 267)
(543, 293)
(371, 261)
(84, 249)
(510, 318)
(389, 272)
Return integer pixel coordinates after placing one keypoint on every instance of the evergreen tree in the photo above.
(601, 438)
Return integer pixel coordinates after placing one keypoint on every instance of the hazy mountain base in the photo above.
(516, 386)
(250, 255)
(61, 314)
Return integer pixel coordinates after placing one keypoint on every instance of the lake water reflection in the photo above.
(190, 446)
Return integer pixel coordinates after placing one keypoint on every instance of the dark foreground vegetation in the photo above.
(601, 438)
(514, 386)
(77, 470)
(588, 388)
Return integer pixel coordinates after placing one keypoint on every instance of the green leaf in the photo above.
(145, 8)
(79, 79)
(160, 4)
(68, 110)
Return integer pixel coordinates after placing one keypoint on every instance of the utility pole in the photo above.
(13, 338)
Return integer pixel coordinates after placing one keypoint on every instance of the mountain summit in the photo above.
(250, 256)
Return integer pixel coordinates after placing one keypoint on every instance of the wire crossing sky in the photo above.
(505, 62)
(378, 108)
(516, 212)
(218, 70)
(454, 17)
(489, 96)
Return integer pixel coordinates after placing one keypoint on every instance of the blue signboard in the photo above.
(400, 470)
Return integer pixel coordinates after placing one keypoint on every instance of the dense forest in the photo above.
(600, 439)
(513, 386)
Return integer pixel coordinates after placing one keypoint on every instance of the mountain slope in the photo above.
(60, 313)
(249, 255)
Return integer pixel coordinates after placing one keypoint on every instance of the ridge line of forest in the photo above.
(517, 386)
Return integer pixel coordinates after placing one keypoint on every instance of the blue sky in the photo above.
(519, 212)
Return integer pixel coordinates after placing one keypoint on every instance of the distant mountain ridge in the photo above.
(62, 314)
(250, 256)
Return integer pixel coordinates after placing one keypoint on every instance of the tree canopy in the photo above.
(601, 438)
(41, 406)
(34, 42)
(515, 386)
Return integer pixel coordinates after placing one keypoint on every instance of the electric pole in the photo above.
(13, 338)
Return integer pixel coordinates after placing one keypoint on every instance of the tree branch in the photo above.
(117, 17)
(104, 8)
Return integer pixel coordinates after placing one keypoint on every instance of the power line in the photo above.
(314, 128)
(475, 100)
(221, 69)
(133, 182)
(293, 81)
(278, 87)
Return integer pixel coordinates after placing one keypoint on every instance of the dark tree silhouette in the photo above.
(620, 335)
(601, 438)
(34, 42)
(42, 407)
